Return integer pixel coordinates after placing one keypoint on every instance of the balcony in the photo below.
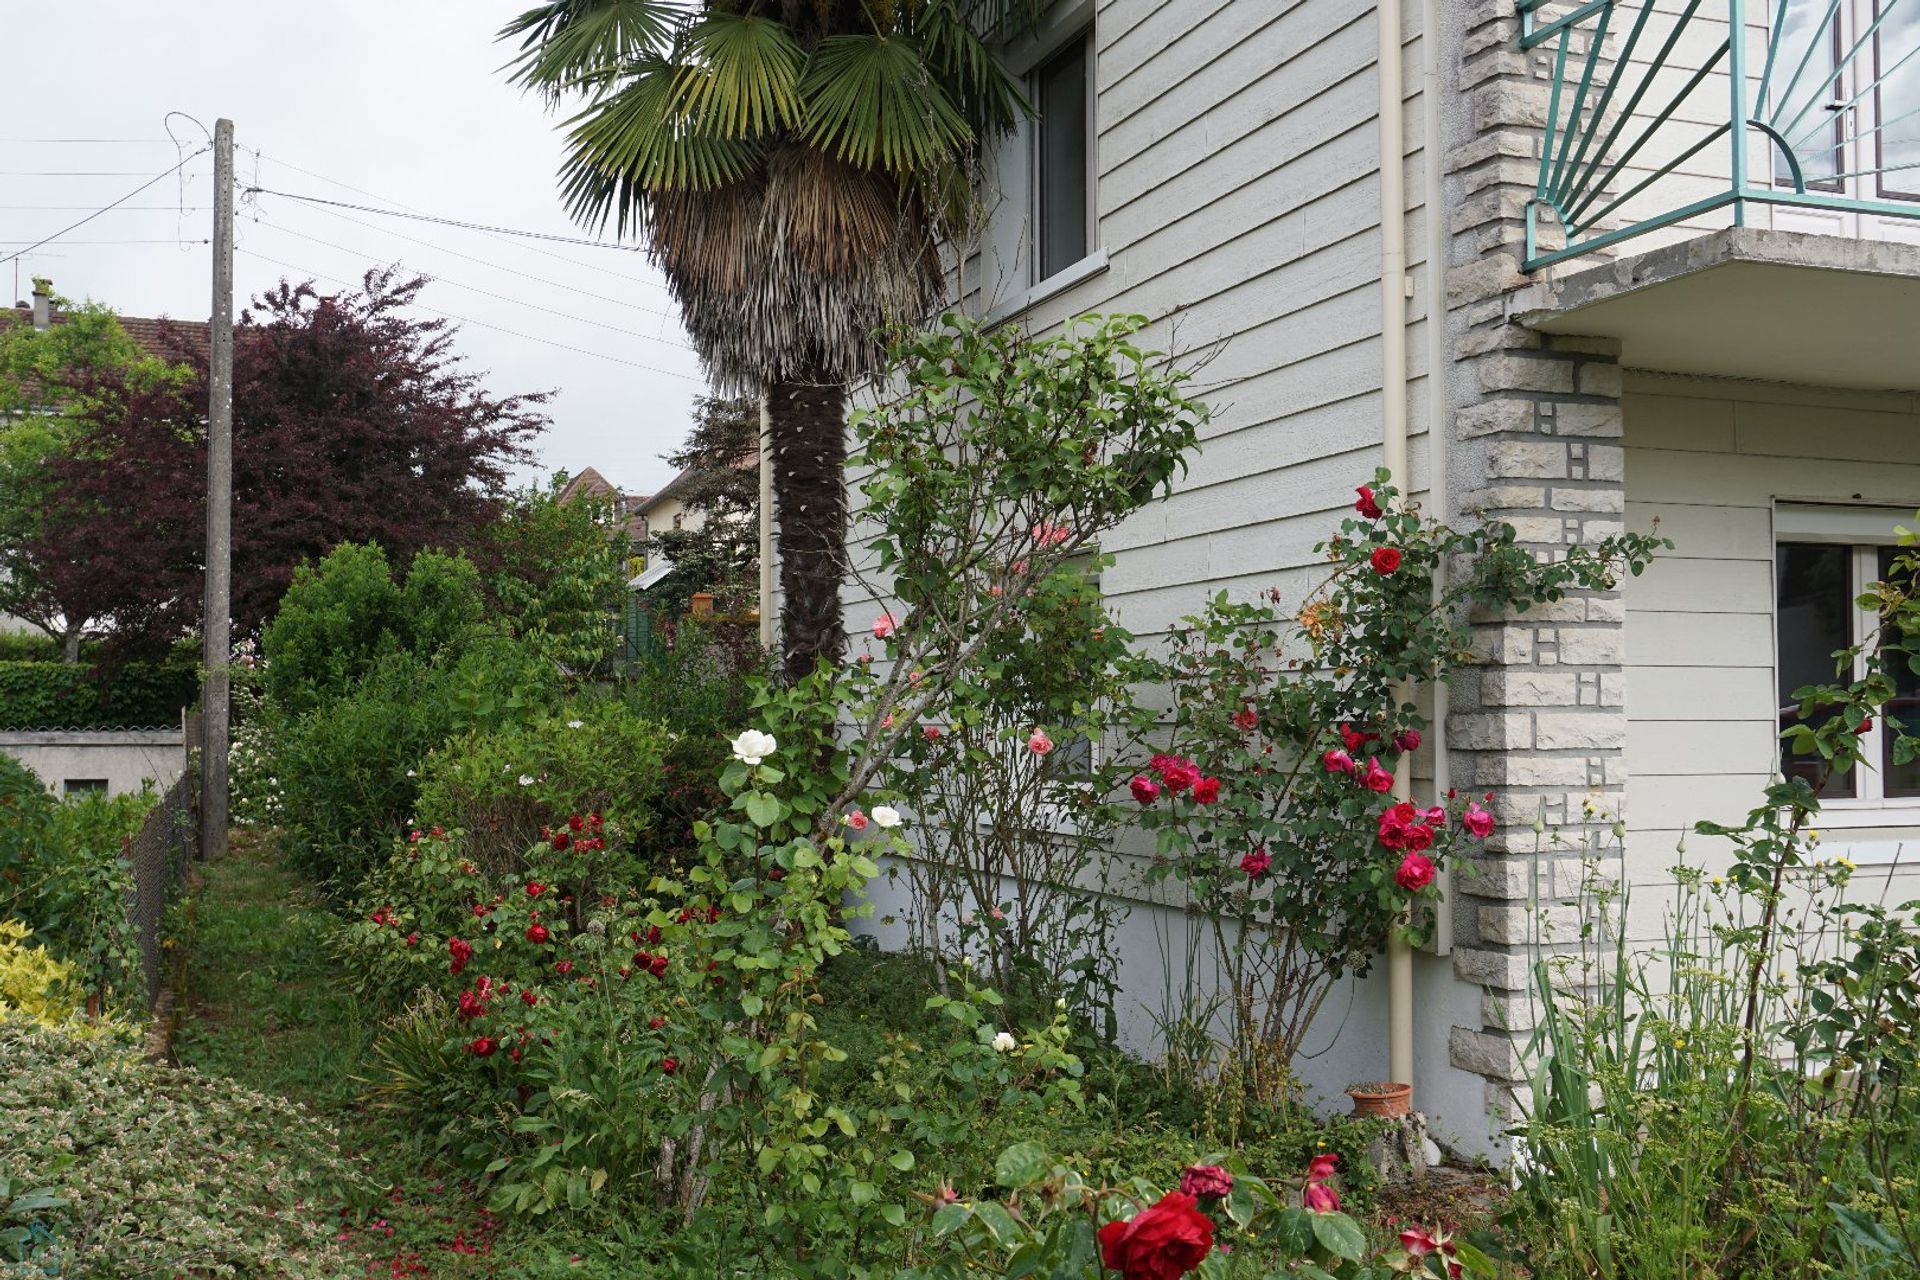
(1661, 124)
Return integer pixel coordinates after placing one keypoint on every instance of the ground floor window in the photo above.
(1822, 565)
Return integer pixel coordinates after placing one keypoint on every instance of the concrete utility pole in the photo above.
(216, 619)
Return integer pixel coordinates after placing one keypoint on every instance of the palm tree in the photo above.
(794, 166)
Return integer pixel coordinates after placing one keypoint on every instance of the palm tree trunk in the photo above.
(809, 436)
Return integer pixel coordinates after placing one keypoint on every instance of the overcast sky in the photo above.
(401, 99)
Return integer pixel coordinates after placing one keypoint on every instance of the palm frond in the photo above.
(872, 102)
(742, 76)
(638, 138)
(578, 45)
(990, 99)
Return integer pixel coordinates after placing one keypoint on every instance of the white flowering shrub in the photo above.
(161, 1171)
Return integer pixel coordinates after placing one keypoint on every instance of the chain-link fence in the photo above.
(160, 853)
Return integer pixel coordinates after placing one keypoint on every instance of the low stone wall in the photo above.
(122, 759)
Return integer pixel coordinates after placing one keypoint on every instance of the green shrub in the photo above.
(28, 646)
(64, 874)
(341, 616)
(347, 771)
(23, 797)
(503, 787)
(36, 695)
(163, 1171)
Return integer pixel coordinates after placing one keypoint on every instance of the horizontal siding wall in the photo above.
(1706, 462)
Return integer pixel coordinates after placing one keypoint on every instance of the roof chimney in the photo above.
(42, 302)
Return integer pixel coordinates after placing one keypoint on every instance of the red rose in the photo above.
(1365, 504)
(563, 967)
(1386, 560)
(1415, 873)
(1407, 740)
(1419, 838)
(1246, 720)
(1376, 778)
(537, 932)
(530, 998)
(669, 1065)
(1319, 1198)
(1323, 1166)
(1477, 820)
(535, 888)
(1179, 775)
(413, 939)
(1144, 789)
(575, 822)
(561, 840)
(1256, 863)
(1163, 1242)
(461, 953)
(483, 1047)
(1206, 1181)
(656, 1022)
(1207, 790)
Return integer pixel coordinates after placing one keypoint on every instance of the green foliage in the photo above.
(64, 875)
(159, 1170)
(347, 771)
(43, 694)
(717, 482)
(562, 577)
(343, 615)
(505, 787)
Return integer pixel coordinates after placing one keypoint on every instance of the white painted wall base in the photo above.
(124, 759)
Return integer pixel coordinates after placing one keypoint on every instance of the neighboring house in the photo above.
(589, 483)
(1699, 357)
(668, 509)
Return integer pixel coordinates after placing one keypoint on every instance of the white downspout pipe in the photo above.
(1393, 396)
(1439, 361)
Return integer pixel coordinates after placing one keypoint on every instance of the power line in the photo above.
(161, 240)
(512, 333)
(490, 264)
(97, 212)
(518, 302)
(598, 268)
(160, 142)
(444, 222)
(125, 208)
(79, 173)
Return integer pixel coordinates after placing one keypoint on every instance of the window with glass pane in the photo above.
(1896, 98)
(1805, 78)
(1060, 160)
(1903, 709)
(1813, 618)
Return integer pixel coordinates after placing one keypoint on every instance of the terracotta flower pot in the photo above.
(1382, 1098)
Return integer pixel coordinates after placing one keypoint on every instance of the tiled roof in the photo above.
(150, 332)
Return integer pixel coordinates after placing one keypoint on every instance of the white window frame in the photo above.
(1013, 237)
(1865, 531)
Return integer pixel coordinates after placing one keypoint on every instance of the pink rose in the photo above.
(1419, 838)
(1144, 789)
(1179, 775)
(1407, 740)
(931, 733)
(1477, 820)
(1246, 720)
(1039, 743)
(1435, 816)
(1415, 873)
(857, 820)
(1319, 1198)
(1323, 1166)
(1335, 760)
(883, 626)
(1377, 779)
(1256, 863)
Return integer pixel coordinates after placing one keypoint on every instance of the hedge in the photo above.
(58, 695)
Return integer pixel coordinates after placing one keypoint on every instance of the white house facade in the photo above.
(1581, 295)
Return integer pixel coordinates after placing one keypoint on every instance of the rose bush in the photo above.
(1290, 724)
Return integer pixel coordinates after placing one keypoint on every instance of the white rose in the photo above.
(753, 746)
(1004, 1043)
(526, 779)
(885, 816)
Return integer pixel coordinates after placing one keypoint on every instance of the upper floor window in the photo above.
(1062, 91)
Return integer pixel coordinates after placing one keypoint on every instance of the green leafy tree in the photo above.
(559, 576)
(719, 482)
(793, 168)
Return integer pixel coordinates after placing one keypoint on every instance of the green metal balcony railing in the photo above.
(1657, 116)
